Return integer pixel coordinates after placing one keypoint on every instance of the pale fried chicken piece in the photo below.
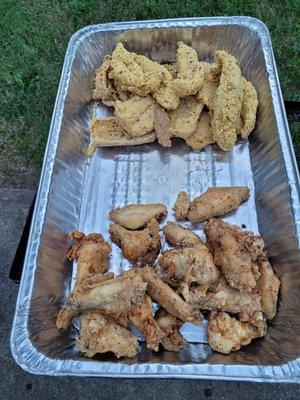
(135, 73)
(217, 201)
(190, 74)
(172, 339)
(135, 216)
(178, 236)
(183, 120)
(210, 85)
(136, 115)
(106, 132)
(99, 334)
(141, 316)
(161, 126)
(141, 246)
(92, 253)
(268, 284)
(166, 97)
(236, 252)
(111, 297)
(181, 206)
(221, 296)
(227, 101)
(104, 87)
(202, 136)
(226, 334)
(249, 108)
(168, 299)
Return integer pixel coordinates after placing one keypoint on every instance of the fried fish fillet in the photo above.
(178, 236)
(236, 252)
(210, 85)
(227, 101)
(217, 201)
(202, 136)
(172, 68)
(166, 97)
(226, 333)
(268, 284)
(190, 75)
(172, 339)
(168, 299)
(181, 206)
(183, 120)
(135, 216)
(99, 334)
(162, 126)
(104, 87)
(249, 108)
(140, 246)
(136, 115)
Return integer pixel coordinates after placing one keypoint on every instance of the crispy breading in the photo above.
(210, 85)
(181, 206)
(172, 68)
(104, 87)
(166, 97)
(249, 108)
(183, 120)
(217, 201)
(172, 339)
(202, 136)
(162, 126)
(178, 236)
(227, 101)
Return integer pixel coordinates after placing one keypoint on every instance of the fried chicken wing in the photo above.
(227, 101)
(190, 75)
(217, 201)
(138, 246)
(162, 127)
(210, 85)
(136, 115)
(135, 216)
(249, 108)
(268, 284)
(181, 206)
(236, 252)
(178, 236)
(226, 334)
(172, 339)
(183, 120)
(202, 136)
(99, 334)
(168, 299)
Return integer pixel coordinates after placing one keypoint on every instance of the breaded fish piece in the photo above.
(183, 120)
(135, 73)
(135, 216)
(226, 333)
(136, 115)
(181, 206)
(179, 237)
(227, 101)
(210, 85)
(166, 97)
(104, 87)
(172, 68)
(172, 339)
(202, 136)
(249, 108)
(162, 126)
(190, 74)
(106, 132)
(217, 201)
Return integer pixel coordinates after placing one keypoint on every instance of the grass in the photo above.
(33, 39)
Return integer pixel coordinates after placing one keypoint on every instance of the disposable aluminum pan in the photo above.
(76, 192)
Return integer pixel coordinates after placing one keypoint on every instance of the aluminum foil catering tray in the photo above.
(76, 193)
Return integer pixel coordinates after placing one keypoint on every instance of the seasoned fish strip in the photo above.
(104, 87)
(162, 127)
(217, 201)
(210, 85)
(166, 97)
(181, 206)
(202, 136)
(249, 108)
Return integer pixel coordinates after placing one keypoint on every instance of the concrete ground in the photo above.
(18, 384)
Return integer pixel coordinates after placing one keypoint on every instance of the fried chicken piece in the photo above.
(210, 85)
(99, 334)
(135, 216)
(268, 284)
(161, 126)
(104, 87)
(172, 339)
(138, 246)
(178, 236)
(217, 201)
(136, 115)
(236, 252)
(141, 316)
(106, 132)
(221, 296)
(203, 135)
(135, 73)
(190, 75)
(226, 334)
(249, 108)
(183, 120)
(168, 299)
(227, 101)
(181, 206)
